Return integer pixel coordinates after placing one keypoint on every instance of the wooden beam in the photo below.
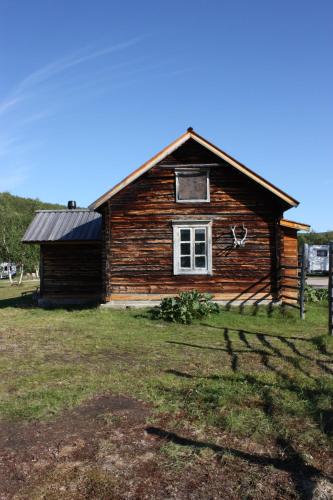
(217, 296)
(299, 226)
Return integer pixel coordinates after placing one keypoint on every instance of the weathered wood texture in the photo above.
(138, 232)
(289, 270)
(71, 270)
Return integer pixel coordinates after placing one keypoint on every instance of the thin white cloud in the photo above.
(34, 117)
(70, 61)
(13, 145)
(8, 103)
(13, 177)
(57, 67)
(7, 144)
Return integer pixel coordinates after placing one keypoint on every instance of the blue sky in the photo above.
(89, 90)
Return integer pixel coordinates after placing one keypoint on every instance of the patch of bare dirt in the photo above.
(28, 450)
(105, 449)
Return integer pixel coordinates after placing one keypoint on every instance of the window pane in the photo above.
(185, 249)
(185, 235)
(192, 186)
(200, 249)
(200, 235)
(200, 262)
(185, 262)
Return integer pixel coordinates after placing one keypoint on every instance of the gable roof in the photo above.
(64, 225)
(191, 134)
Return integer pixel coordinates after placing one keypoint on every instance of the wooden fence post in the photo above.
(303, 278)
(330, 290)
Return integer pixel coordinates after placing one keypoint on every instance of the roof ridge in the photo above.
(191, 134)
(67, 210)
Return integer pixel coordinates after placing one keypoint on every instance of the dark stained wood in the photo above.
(303, 280)
(71, 270)
(288, 291)
(138, 235)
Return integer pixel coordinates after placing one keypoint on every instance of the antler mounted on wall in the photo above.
(239, 242)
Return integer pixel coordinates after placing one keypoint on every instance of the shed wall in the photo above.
(289, 265)
(71, 271)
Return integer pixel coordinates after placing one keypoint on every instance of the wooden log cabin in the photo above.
(192, 217)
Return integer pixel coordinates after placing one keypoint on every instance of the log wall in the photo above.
(289, 270)
(139, 238)
(71, 270)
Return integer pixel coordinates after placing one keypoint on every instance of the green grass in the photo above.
(258, 374)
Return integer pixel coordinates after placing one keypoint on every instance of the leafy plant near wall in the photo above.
(186, 307)
(313, 294)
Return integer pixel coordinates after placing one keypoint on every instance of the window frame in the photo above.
(320, 251)
(188, 171)
(192, 225)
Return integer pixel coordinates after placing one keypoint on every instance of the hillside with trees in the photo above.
(16, 213)
(314, 238)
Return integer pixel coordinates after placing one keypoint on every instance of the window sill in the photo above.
(191, 273)
(192, 201)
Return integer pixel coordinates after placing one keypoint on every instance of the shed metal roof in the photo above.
(64, 225)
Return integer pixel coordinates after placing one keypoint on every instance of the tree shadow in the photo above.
(270, 351)
(317, 342)
(263, 286)
(304, 476)
(311, 395)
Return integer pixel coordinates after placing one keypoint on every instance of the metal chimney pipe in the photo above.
(71, 205)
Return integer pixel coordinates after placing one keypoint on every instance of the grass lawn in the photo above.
(242, 400)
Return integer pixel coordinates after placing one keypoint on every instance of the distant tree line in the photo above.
(16, 213)
(313, 238)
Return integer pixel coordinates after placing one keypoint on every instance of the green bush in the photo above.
(313, 294)
(186, 307)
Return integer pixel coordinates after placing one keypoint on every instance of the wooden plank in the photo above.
(295, 225)
(302, 281)
(71, 270)
(160, 296)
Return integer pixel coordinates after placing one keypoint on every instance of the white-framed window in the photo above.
(192, 185)
(192, 247)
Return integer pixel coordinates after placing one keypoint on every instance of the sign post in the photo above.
(330, 290)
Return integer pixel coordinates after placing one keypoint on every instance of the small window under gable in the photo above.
(192, 185)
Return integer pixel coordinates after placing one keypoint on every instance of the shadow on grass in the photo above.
(304, 475)
(29, 300)
(24, 301)
(280, 362)
(323, 418)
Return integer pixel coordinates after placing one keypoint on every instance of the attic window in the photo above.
(192, 185)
